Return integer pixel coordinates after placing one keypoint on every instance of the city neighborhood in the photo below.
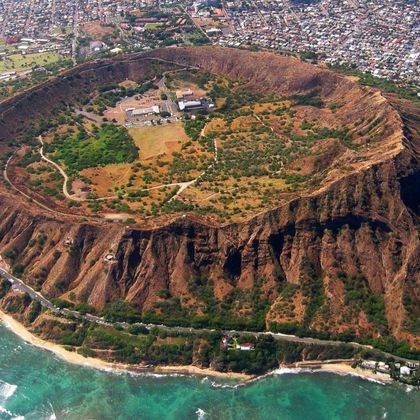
(376, 36)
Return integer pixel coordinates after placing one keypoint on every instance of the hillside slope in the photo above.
(344, 259)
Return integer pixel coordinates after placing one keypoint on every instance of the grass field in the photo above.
(157, 140)
(64, 30)
(152, 26)
(18, 62)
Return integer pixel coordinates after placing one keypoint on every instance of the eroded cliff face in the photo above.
(362, 225)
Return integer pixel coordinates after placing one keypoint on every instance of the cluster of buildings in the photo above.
(186, 101)
(407, 369)
(35, 45)
(379, 36)
(42, 17)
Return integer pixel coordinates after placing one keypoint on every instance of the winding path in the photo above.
(182, 185)
(31, 199)
(58, 167)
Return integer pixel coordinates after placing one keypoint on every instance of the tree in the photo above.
(120, 310)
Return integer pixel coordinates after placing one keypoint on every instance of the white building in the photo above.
(141, 112)
(405, 371)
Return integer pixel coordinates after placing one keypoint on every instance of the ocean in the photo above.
(35, 384)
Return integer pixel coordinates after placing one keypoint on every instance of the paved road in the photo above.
(19, 285)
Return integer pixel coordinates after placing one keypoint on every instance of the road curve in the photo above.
(20, 285)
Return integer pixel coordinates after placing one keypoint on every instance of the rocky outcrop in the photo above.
(365, 223)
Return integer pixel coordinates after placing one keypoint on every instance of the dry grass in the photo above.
(158, 140)
(216, 125)
(128, 84)
(96, 30)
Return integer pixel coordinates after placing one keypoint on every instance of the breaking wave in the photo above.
(201, 414)
(6, 391)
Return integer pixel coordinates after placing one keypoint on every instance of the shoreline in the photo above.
(72, 357)
(92, 362)
(344, 369)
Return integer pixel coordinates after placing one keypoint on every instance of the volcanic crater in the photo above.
(324, 209)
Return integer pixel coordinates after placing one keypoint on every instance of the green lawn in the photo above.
(152, 26)
(19, 62)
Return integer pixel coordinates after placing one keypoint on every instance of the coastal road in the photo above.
(20, 285)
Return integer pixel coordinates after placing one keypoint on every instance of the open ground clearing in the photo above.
(251, 153)
(158, 140)
(19, 62)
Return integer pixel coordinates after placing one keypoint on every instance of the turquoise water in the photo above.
(34, 384)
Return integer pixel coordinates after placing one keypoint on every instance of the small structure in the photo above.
(202, 104)
(96, 46)
(110, 257)
(405, 371)
(116, 50)
(213, 31)
(224, 343)
(68, 241)
(245, 346)
(181, 94)
(191, 106)
(383, 367)
(369, 364)
(142, 112)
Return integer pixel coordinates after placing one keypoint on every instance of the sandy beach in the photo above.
(194, 370)
(58, 350)
(75, 358)
(342, 368)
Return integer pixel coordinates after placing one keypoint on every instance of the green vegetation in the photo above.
(5, 286)
(35, 311)
(43, 72)
(367, 79)
(161, 347)
(359, 296)
(312, 289)
(19, 62)
(248, 153)
(412, 306)
(240, 309)
(309, 99)
(82, 308)
(110, 94)
(120, 310)
(399, 348)
(138, 344)
(109, 144)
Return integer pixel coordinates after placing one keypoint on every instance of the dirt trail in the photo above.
(58, 167)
